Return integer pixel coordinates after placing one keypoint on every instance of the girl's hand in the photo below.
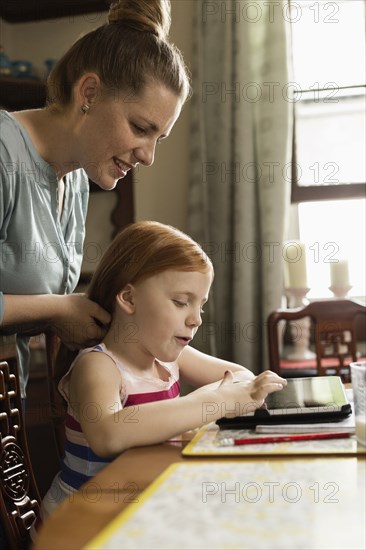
(78, 321)
(239, 398)
(265, 383)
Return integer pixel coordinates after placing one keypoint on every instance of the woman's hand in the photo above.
(78, 321)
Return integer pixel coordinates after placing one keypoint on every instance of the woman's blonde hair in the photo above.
(126, 53)
(141, 250)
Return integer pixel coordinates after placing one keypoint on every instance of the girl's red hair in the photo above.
(141, 250)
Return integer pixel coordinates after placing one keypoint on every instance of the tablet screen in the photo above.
(313, 392)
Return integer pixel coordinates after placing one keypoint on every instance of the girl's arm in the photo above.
(199, 369)
(78, 321)
(95, 381)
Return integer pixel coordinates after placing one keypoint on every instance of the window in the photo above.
(328, 48)
(333, 230)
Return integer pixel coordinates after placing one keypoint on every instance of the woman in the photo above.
(112, 97)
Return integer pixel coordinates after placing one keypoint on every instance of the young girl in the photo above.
(154, 280)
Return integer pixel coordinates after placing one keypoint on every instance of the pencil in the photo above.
(283, 438)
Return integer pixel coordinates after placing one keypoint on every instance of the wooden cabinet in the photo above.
(17, 11)
(21, 93)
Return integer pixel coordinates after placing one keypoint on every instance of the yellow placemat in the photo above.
(304, 504)
(205, 443)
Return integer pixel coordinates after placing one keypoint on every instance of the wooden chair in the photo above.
(57, 404)
(19, 497)
(334, 334)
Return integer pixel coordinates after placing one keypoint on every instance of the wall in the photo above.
(161, 190)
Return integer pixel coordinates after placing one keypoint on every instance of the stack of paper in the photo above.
(347, 426)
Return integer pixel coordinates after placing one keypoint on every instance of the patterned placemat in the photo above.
(207, 443)
(278, 504)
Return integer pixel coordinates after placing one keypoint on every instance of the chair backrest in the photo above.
(334, 332)
(57, 404)
(19, 497)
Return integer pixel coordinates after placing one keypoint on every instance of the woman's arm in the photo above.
(77, 320)
(95, 382)
(199, 369)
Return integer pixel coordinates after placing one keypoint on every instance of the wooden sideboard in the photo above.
(20, 11)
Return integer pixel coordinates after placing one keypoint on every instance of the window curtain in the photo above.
(239, 189)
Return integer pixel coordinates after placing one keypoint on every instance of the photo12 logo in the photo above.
(269, 491)
(269, 10)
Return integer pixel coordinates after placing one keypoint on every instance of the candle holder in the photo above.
(296, 296)
(300, 329)
(340, 291)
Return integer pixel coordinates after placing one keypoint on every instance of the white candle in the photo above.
(295, 265)
(339, 273)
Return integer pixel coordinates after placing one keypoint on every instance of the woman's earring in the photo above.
(85, 108)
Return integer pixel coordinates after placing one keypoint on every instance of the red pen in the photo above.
(283, 438)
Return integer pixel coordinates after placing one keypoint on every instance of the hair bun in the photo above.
(142, 15)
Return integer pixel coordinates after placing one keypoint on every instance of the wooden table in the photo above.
(76, 522)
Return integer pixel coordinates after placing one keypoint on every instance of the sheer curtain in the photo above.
(239, 191)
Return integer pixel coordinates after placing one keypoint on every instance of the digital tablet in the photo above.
(303, 400)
